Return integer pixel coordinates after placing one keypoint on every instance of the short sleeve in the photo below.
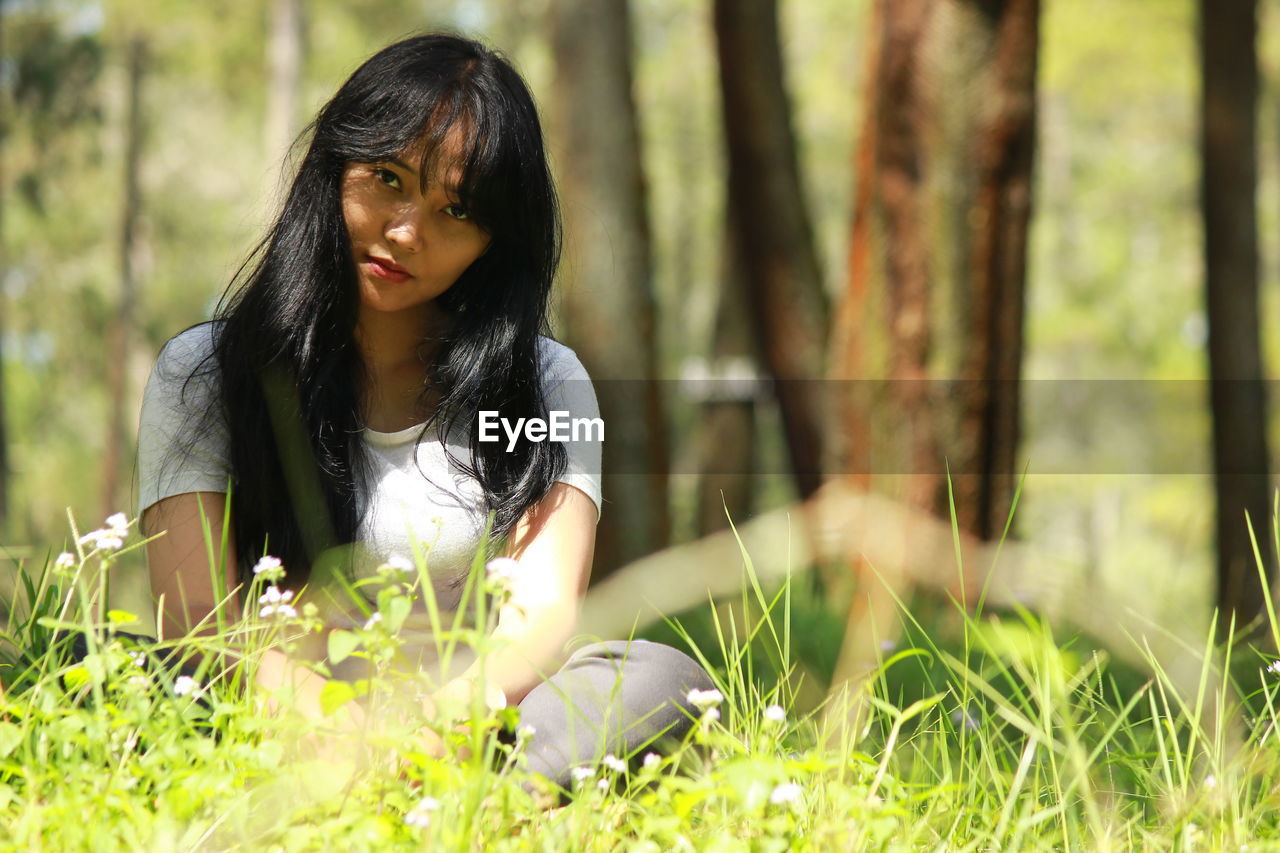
(575, 414)
(181, 447)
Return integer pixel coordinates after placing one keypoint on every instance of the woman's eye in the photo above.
(457, 211)
(387, 177)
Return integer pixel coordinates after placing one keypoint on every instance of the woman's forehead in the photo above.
(440, 160)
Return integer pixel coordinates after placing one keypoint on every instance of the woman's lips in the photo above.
(387, 270)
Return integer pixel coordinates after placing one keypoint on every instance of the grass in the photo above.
(997, 735)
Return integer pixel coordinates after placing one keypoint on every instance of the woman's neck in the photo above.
(395, 349)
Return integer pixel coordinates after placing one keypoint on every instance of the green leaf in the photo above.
(120, 617)
(341, 645)
(76, 677)
(397, 612)
(334, 695)
(10, 737)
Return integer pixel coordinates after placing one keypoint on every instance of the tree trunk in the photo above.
(783, 286)
(120, 330)
(928, 337)
(1229, 94)
(727, 426)
(4, 267)
(938, 254)
(284, 69)
(609, 306)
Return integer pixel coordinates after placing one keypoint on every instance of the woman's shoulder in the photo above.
(559, 362)
(187, 350)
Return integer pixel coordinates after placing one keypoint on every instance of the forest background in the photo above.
(141, 160)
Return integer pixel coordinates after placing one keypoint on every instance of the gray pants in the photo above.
(619, 697)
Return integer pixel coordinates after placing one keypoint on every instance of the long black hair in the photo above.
(289, 373)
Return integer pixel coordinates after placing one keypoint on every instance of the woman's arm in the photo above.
(553, 543)
(182, 578)
(182, 581)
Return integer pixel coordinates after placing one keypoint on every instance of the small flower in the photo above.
(65, 560)
(139, 681)
(1274, 667)
(888, 645)
(502, 570)
(375, 619)
(138, 658)
(420, 815)
(395, 568)
(704, 699)
(775, 714)
(785, 794)
(614, 763)
(525, 732)
(603, 784)
(277, 603)
(651, 760)
(109, 538)
(269, 566)
(185, 684)
(582, 774)
(1210, 782)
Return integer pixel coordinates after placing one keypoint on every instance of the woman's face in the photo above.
(409, 245)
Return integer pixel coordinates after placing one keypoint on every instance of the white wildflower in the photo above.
(614, 763)
(375, 619)
(582, 774)
(775, 714)
(395, 568)
(888, 645)
(704, 699)
(139, 681)
(502, 570)
(420, 815)
(1274, 667)
(651, 760)
(275, 602)
(109, 538)
(1210, 782)
(525, 732)
(786, 793)
(603, 784)
(185, 684)
(65, 560)
(269, 566)
(138, 658)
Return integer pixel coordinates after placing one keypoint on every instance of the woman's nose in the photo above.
(405, 229)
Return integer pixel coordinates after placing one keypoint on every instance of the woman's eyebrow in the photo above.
(450, 186)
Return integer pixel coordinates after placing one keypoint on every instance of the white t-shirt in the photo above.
(420, 502)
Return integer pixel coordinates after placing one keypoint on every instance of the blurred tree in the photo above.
(938, 252)
(120, 332)
(781, 282)
(1229, 177)
(937, 272)
(285, 42)
(727, 423)
(609, 307)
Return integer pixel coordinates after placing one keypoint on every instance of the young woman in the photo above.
(402, 291)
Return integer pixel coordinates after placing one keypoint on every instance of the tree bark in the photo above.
(783, 285)
(727, 426)
(4, 266)
(609, 306)
(933, 306)
(120, 331)
(1229, 94)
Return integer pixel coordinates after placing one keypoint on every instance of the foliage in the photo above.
(1016, 741)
